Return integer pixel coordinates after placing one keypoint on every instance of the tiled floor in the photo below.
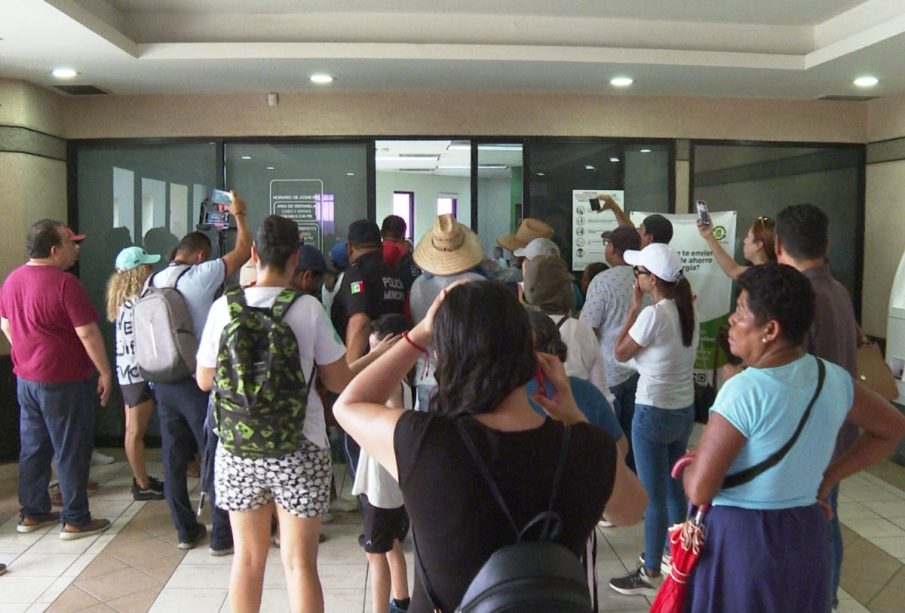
(136, 567)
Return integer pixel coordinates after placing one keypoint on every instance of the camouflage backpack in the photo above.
(259, 394)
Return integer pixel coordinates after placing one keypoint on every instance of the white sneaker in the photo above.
(665, 562)
(98, 458)
(604, 524)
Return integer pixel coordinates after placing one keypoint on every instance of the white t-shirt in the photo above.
(318, 342)
(373, 480)
(584, 359)
(664, 363)
(605, 309)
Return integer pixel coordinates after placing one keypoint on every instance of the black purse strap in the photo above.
(748, 474)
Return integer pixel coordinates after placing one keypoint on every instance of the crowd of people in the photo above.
(446, 369)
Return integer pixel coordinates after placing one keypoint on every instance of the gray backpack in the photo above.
(165, 343)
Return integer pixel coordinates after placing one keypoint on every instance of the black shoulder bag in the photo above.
(748, 474)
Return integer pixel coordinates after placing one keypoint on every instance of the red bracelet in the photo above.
(405, 335)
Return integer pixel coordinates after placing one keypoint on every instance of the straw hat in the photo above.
(528, 230)
(448, 248)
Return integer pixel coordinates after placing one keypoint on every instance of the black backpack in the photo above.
(529, 575)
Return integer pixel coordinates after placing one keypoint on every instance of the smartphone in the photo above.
(595, 204)
(222, 197)
(703, 214)
(540, 381)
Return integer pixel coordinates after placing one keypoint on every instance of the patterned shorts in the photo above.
(299, 482)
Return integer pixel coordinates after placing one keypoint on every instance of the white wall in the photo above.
(426, 188)
(494, 211)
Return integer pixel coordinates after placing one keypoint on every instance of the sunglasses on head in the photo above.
(763, 222)
(640, 271)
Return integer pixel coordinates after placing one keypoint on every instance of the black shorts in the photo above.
(381, 526)
(135, 393)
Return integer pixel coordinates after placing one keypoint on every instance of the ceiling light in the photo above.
(621, 81)
(350, 174)
(541, 174)
(614, 159)
(246, 157)
(589, 167)
(866, 81)
(645, 150)
(321, 78)
(64, 73)
(271, 168)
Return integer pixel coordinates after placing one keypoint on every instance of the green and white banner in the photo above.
(708, 281)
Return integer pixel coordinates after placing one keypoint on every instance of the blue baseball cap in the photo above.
(338, 255)
(132, 257)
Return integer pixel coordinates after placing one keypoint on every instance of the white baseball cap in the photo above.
(539, 246)
(658, 258)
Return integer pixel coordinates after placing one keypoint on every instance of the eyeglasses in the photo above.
(639, 271)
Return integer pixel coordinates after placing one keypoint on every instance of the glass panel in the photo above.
(179, 206)
(322, 186)
(563, 173)
(760, 180)
(429, 169)
(125, 195)
(404, 207)
(446, 205)
(500, 182)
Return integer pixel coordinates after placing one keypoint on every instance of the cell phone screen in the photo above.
(221, 197)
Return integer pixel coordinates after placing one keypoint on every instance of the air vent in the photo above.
(416, 170)
(81, 90)
(423, 156)
(843, 98)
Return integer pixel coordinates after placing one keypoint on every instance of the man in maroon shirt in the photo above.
(56, 347)
(802, 239)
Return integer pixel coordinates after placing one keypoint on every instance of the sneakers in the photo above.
(30, 523)
(219, 553)
(665, 562)
(94, 526)
(636, 583)
(604, 524)
(190, 544)
(154, 491)
(99, 459)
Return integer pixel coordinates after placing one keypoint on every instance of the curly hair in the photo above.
(780, 293)
(484, 350)
(123, 285)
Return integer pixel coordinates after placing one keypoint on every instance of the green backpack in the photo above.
(259, 394)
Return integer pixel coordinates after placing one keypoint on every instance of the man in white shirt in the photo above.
(605, 310)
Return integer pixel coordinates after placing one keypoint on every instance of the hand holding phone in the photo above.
(703, 214)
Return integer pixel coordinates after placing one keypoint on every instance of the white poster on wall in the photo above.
(708, 281)
(589, 221)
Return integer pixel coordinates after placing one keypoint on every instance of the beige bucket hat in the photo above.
(448, 248)
(529, 229)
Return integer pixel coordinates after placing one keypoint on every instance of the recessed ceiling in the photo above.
(770, 49)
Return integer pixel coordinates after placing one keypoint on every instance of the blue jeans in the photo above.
(182, 407)
(56, 419)
(624, 407)
(660, 437)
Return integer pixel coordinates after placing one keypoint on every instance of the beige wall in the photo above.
(454, 114)
(27, 106)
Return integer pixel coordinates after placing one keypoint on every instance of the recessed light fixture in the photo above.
(866, 81)
(621, 81)
(589, 167)
(614, 159)
(64, 73)
(321, 78)
(350, 174)
(645, 150)
(271, 168)
(541, 174)
(246, 157)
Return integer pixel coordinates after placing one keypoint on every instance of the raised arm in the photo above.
(609, 204)
(235, 259)
(726, 262)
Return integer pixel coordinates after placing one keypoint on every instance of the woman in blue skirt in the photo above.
(766, 540)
